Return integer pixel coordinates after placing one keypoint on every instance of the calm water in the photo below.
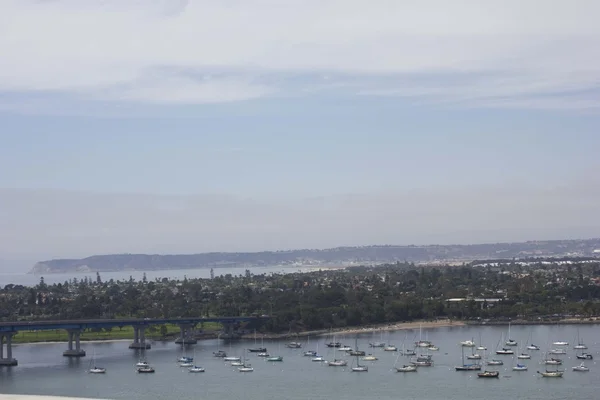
(32, 280)
(43, 370)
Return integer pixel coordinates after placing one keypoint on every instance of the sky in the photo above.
(172, 126)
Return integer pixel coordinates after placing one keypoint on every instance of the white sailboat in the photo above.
(245, 367)
(196, 369)
(580, 345)
(581, 368)
(94, 369)
(481, 347)
(510, 341)
(405, 368)
(336, 362)
(552, 373)
(358, 368)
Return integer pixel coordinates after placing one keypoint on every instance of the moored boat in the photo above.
(488, 374)
(552, 374)
(520, 367)
(581, 368)
(258, 350)
(407, 368)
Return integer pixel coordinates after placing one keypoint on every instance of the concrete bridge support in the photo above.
(139, 338)
(230, 332)
(186, 336)
(6, 359)
(74, 335)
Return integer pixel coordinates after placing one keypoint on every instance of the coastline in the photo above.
(399, 326)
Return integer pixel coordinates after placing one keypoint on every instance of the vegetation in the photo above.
(325, 299)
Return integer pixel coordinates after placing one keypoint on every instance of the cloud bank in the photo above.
(504, 53)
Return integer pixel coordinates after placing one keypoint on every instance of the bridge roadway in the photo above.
(75, 327)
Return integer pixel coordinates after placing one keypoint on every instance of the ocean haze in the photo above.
(192, 127)
(51, 224)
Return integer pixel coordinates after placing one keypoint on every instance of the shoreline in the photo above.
(399, 326)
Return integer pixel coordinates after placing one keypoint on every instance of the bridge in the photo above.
(74, 329)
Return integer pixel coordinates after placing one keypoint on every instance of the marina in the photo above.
(296, 375)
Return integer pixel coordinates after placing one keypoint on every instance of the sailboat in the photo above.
(185, 360)
(523, 356)
(309, 353)
(336, 362)
(518, 366)
(421, 342)
(405, 368)
(275, 358)
(93, 368)
(257, 349)
(195, 368)
(467, 367)
(317, 357)
(581, 368)
(488, 374)
(552, 374)
(473, 355)
(531, 346)
(143, 367)
(510, 341)
(580, 345)
(358, 368)
(142, 362)
(378, 344)
(481, 347)
(245, 367)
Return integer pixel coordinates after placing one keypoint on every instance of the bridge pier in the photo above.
(74, 334)
(229, 331)
(8, 361)
(186, 334)
(139, 338)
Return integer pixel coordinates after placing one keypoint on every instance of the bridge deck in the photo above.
(106, 323)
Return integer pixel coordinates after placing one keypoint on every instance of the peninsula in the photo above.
(335, 257)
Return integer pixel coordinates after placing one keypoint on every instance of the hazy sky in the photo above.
(167, 126)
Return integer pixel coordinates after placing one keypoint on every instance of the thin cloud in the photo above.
(110, 48)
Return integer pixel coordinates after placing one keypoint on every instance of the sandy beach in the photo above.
(360, 329)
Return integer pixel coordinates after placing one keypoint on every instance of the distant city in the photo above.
(329, 258)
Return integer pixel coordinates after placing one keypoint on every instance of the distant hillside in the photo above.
(339, 256)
